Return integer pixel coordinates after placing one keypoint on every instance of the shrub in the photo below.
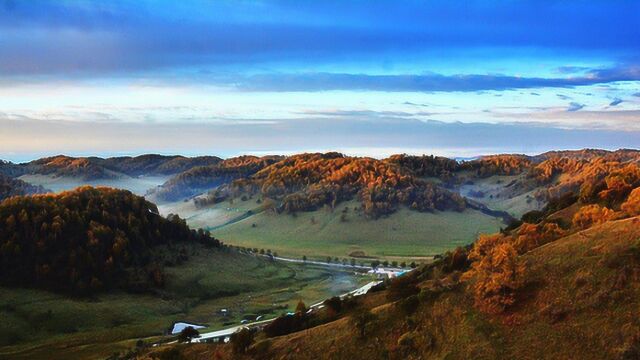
(286, 324)
(301, 307)
(631, 349)
(532, 217)
(261, 349)
(363, 318)
(402, 287)
(187, 334)
(456, 260)
(407, 341)
(241, 340)
(409, 305)
(334, 304)
(428, 294)
(531, 236)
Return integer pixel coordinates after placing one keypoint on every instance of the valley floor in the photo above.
(342, 232)
(247, 286)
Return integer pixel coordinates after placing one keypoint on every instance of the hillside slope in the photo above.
(95, 168)
(561, 283)
(86, 240)
(580, 301)
(13, 187)
(200, 179)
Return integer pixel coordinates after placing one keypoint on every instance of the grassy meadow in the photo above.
(41, 325)
(403, 235)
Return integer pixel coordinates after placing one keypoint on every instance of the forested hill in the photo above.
(202, 178)
(87, 240)
(561, 283)
(93, 168)
(309, 181)
(12, 187)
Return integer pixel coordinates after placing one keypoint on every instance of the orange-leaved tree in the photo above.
(632, 205)
(592, 215)
(498, 272)
(530, 236)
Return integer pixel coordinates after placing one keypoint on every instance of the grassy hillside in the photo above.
(580, 300)
(564, 283)
(495, 193)
(42, 325)
(338, 233)
(575, 307)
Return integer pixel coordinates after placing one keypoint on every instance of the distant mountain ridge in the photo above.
(92, 168)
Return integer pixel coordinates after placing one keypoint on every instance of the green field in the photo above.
(43, 325)
(405, 234)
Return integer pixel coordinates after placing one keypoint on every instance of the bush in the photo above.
(429, 294)
(457, 260)
(407, 341)
(532, 217)
(261, 349)
(530, 236)
(187, 334)
(363, 318)
(301, 308)
(241, 340)
(402, 287)
(409, 305)
(334, 304)
(286, 324)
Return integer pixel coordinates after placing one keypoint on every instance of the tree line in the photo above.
(87, 240)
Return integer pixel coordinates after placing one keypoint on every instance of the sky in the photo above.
(368, 78)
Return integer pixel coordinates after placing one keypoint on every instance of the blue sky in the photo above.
(364, 77)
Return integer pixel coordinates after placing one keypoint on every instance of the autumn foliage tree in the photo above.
(632, 205)
(308, 182)
(530, 236)
(592, 215)
(497, 271)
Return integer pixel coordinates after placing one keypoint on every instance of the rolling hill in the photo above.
(13, 187)
(562, 283)
(87, 240)
(203, 178)
(95, 168)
